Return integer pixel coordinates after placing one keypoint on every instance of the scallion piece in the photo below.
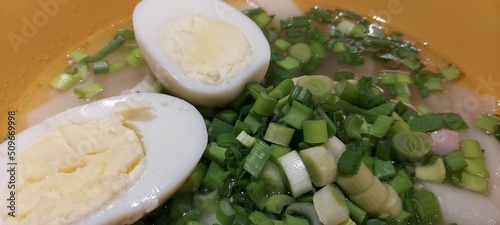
(339, 47)
(116, 66)
(381, 126)
(295, 171)
(434, 84)
(78, 55)
(320, 164)
(245, 139)
(264, 105)
(357, 214)
(473, 182)
(315, 131)
(262, 19)
(346, 27)
(300, 94)
(288, 63)
(384, 170)
(301, 52)
(215, 175)
(276, 203)
(256, 189)
(401, 183)
(217, 127)
(89, 91)
(454, 161)
(435, 172)
(64, 81)
(349, 162)
(273, 178)
(330, 205)
(297, 115)
(279, 134)
(282, 89)
(283, 45)
(451, 72)
(427, 207)
(347, 91)
(355, 126)
(488, 122)
(318, 50)
(411, 145)
(100, 67)
(278, 151)
(111, 46)
(257, 158)
(320, 86)
(215, 153)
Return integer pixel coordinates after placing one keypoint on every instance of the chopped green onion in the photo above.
(434, 84)
(245, 139)
(349, 162)
(320, 165)
(297, 115)
(488, 122)
(279, 134)
(78, 55)
(218, 127)
(411, 145)
(401, 183)
(111, 46)
(318, 50)
(384, 170)
(301, 52)
(320, 86)
(288, 63)
(257, 191)
(315, 131)
(296, 173)
(262, 19)
(89, 91)
(272, 177)
(454, 161)
(278, 151)
(100, 67)
(194, 180)
(116, 66)
(346, 27)
(347, 91)
(257, 158)
(358, 183)
(355, 126)
(381, 126)
(215, 175)
(451, 72)
(356, 213)
(330, 205)
(276, 203)
(435, 172)
(339, 47)
(215, 153)
(264, 105)
(427, 207)
(282, 44)
(283, 88)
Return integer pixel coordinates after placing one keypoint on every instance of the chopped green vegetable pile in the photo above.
(328, 149)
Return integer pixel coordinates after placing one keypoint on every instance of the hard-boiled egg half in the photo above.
(108, 162)
(204, 51)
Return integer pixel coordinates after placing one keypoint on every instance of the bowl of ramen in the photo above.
(352, 113)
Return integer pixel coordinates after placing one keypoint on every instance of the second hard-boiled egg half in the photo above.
(203, 51)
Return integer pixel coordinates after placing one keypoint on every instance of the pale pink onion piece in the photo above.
(445, 141)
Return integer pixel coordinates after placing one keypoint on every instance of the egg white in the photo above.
(174, 137)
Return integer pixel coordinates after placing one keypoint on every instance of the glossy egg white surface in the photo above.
(151, 16)
(174, 137)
